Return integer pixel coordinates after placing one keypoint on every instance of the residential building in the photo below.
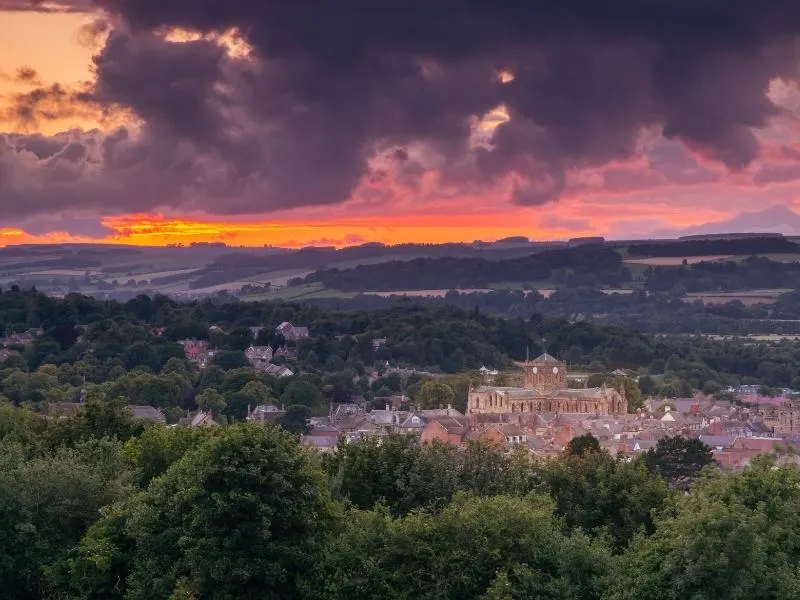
(203, 419)
(148, 413)
(265, 413)
(274, 370)
(259, 353)
(450, 430)
(291, 332)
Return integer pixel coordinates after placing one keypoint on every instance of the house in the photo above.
(6, 353)
(378, 343)
(203, 419)
(258, 353)
(450, 430)
(412, 422)
(504, 434)
(265, 413)
(717, 442)
(643, 445)
(324, 443)
(195, 350)
(148, 413)
(284, 352)
(274, 370)
(394, 402)
(21, 339)
(291, 332)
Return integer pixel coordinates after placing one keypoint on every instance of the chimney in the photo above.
(449, 409)
(387, 407)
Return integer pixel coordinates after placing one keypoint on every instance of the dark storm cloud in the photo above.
(331, 85)
(46, 6)
(83, 226)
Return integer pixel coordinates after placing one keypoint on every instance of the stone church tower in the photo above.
(545, 374)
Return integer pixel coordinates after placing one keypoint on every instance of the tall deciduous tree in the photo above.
(679, 460)
(236, 518)
(434, 394)
(460, 553)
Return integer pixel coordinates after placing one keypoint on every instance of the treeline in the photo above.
(717, 276)
(657, 313)
(732, 246)
(97, 507)
(241, 265)
(588, 265)
(583, 266)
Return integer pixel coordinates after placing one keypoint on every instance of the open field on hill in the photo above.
(672, 261)
(748, 298)
(426, 293)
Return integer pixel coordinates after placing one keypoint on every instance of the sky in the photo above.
(299, 122)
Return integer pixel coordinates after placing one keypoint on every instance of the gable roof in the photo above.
(546, 358)
(453, 425)
(148, 412)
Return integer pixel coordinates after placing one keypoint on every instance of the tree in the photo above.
(583, 444)
(109, 418)
(259, 392)
(211, 400)
(302, 392)
(237, 517)
(679, 460)
(733, 538)
(434, 394)
(47, 504)
(600, 494)
(459, 552)
(647, 385)
(231, 359)
(212, 376)
(296, 419)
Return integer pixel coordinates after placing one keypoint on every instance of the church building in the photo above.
(545, 390)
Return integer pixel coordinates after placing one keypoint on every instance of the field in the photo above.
(748, 298)
(426, 293)
(672, 261)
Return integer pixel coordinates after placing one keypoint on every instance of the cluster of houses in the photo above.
(23, 338)
(260, 357)
(735, 433)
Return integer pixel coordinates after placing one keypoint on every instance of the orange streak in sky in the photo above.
(157, 230)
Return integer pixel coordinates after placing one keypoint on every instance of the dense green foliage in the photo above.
(245, 512)
(585, 264)
(128, 353)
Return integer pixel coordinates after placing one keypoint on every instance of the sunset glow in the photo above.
(49, 62)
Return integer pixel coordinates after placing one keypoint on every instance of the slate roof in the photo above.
(149, 413)
(717, 441)
(453, 425)
(546, 359)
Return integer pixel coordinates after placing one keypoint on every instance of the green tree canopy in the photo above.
(237, 517)
(434, 394)
(679, 460)
(459, 553)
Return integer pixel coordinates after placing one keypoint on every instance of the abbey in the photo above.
(545, 390)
